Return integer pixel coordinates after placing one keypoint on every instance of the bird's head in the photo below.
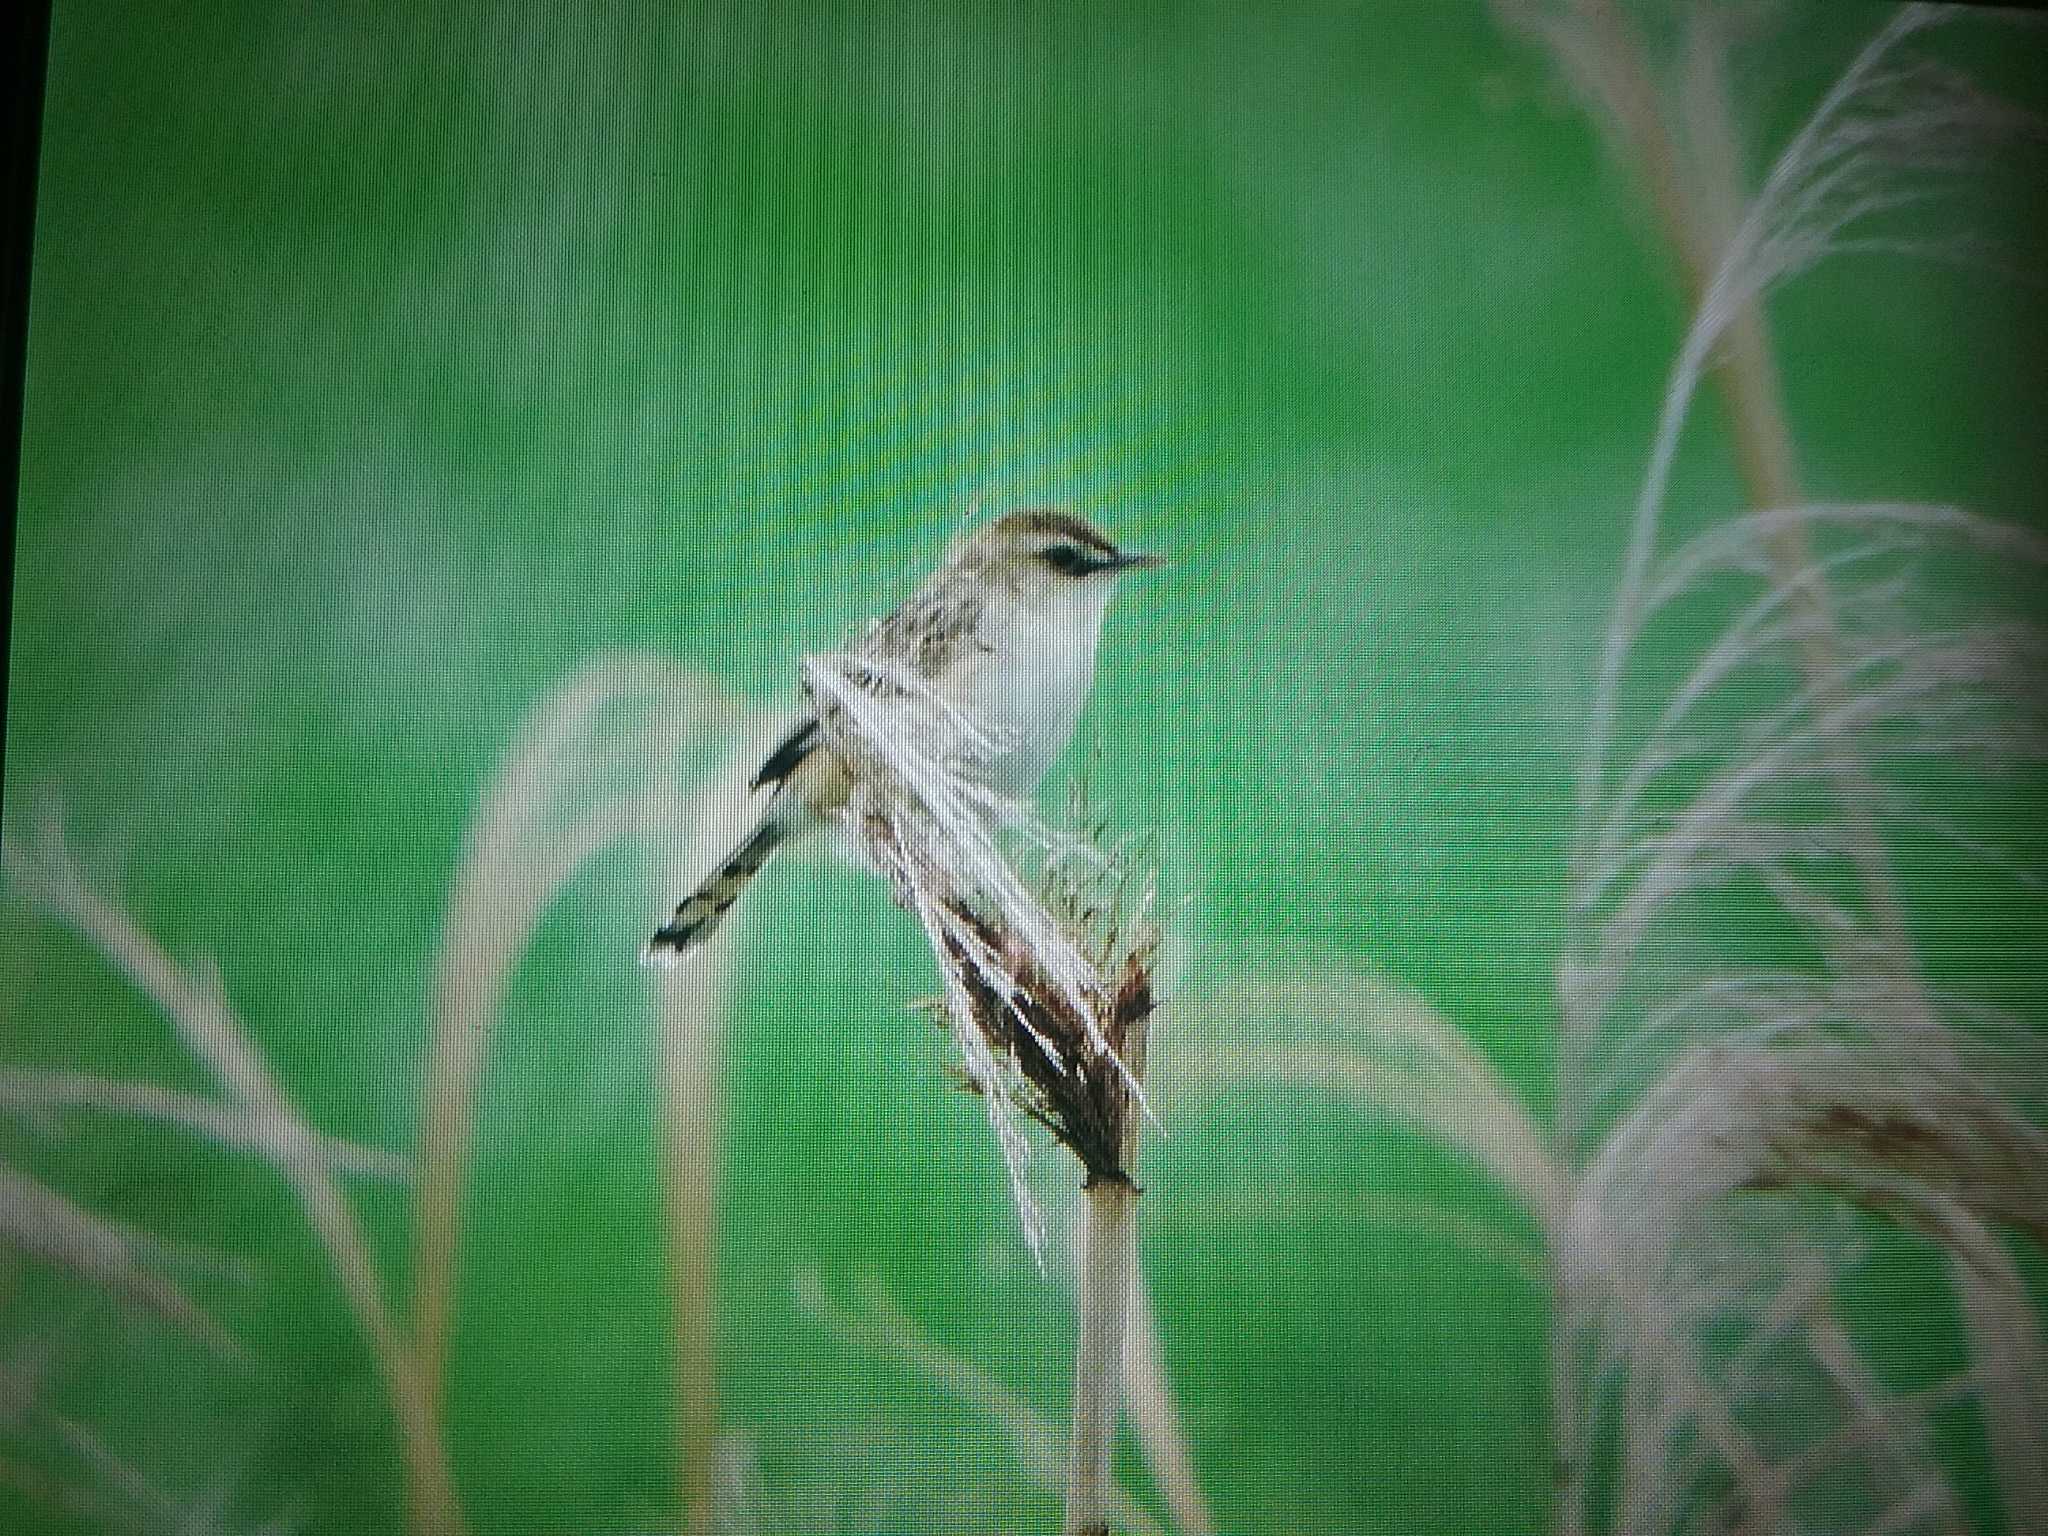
(1047, 557)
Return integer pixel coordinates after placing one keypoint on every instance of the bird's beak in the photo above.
(1132, 560)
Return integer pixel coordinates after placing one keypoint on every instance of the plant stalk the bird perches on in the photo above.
(1074, 1065)
(925, 741)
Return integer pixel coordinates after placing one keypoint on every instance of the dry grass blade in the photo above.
(42, 1224)
(691, 1001)
(39, 1092)
(1148, 1397)
(1899, 1434)
(1383, 1048)
(1789, 1109)
(877, 1326)
(1081, 1071)
(196, 1005)
(2005, 1333)
(1736, 543)
(1850, 1083)
(1835, 173)
(1646, 1257)
(1082, 1097)
(599, 763)
(573, 784)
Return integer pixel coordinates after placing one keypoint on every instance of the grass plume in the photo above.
(195, 1003)
(1847, 1080)
(1726, 1132)
(597, 765)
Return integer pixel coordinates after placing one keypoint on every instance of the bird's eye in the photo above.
(1067, 559)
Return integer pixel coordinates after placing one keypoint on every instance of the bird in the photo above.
(1004, 631)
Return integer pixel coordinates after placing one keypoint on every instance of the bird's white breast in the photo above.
(1033, 684)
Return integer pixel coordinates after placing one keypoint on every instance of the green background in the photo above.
(387, 363)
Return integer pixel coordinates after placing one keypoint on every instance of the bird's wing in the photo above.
(931, 634)
(790, 751)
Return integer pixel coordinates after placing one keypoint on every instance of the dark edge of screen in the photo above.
(31, 56)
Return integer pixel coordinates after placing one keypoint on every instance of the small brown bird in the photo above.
(1005, 632)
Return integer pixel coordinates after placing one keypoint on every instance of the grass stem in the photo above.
(1148, 1398)
(1108, 1276)
(1108, 1249)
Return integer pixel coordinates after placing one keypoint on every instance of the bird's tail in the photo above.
(700, 914)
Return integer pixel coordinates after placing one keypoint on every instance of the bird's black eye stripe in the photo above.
(1068, 559)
